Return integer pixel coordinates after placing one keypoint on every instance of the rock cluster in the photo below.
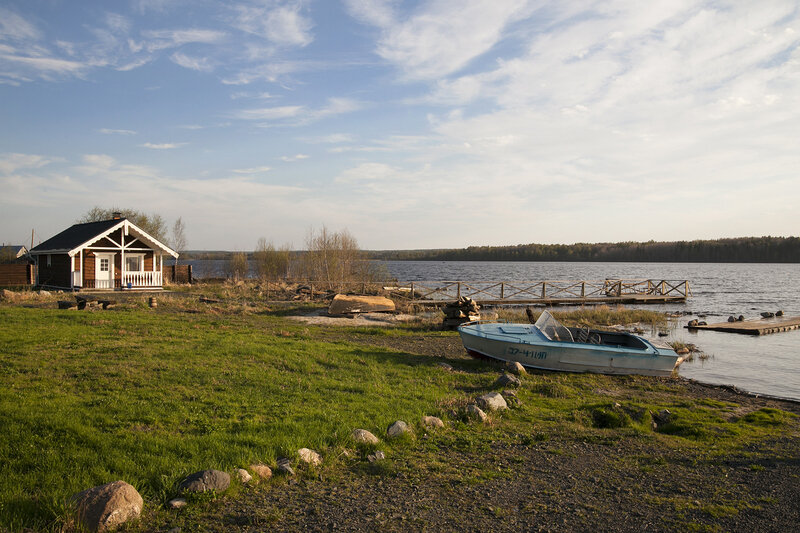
(463, 310)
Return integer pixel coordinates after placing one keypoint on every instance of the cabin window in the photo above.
(134, 263)
(104, 264)
(49, 260)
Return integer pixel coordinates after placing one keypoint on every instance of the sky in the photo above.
(423, 124)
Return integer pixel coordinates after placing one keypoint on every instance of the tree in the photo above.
(178, 240)
(237, 266)
(271, 263)
(335, 258)
(153, 224)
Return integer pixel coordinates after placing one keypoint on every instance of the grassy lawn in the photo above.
(151, 395)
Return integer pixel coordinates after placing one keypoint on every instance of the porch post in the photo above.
(72, 272)
(122, 260)
(83, 275)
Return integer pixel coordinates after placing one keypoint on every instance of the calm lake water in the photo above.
(767, 364)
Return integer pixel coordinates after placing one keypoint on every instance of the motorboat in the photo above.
(549, 345)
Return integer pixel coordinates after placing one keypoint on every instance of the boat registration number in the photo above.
(527, 353)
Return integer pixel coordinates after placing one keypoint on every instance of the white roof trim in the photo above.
(127, 225)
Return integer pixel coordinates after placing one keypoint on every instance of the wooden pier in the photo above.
(753, 327)
(547, 292)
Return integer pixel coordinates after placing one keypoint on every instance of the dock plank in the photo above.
(753, 327)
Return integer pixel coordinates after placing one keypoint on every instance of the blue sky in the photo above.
(421, 124)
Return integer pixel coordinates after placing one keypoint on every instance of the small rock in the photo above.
(492, 401)
(262, 471)
(363, 436)
(66, 304)
(662, 334)
(779, 313)
(515, 368)
(731, 319)
(176, 503)
(243, 475)
(375, 457)
(285, 466)
(740, 318)
(105, 507)
(432, 422)
(507, 380)
(447, 367)
(9, 296)
(692, 323)
(475, 413)
(206, 480)
(397, 429)
(767, 314)
(309, 457)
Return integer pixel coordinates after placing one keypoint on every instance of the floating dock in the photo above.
(754, 327)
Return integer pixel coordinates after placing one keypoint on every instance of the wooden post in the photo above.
(458, 290)
(583, 289)
(502, 290)
(544, 290)
(413, 295)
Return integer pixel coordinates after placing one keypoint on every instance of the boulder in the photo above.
(474, 412)
(515, 368)
(66, 304)
(511, 398)
(310, 457)
(8, 296)
(206, 480)
(347, 305)
(445, 366)
(397, 429)
(105, 507)
(363, 436)
(492, 401)
(243, 475)
(663, 416)
(507, 380)
(432, 422)
(262, 471)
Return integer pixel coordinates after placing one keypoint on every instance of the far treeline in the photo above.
(738, 250)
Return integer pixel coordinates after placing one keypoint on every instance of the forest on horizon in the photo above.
(734, 250)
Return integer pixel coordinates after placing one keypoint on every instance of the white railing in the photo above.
(77, 278)
(141, 279)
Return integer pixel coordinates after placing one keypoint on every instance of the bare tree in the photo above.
(334, 258)
(154, 224)
(237, 266)
(178, 237)
(271, 262)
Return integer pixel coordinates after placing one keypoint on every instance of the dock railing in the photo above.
(547, 292)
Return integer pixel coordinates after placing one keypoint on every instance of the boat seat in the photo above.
(586, 336)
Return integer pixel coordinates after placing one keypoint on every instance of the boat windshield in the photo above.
(552, 328)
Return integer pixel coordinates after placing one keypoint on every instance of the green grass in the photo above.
(151, 395)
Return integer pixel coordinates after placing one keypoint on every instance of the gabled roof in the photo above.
(17, 250)
(80, 236)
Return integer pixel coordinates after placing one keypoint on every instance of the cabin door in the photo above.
(104, 271)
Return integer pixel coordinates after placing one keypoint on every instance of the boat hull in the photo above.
(568, 356)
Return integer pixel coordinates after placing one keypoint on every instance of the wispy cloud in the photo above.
(201, 64)
(253, 170)
(293, 158)
(282, 25)
(442, 36)
(109, 131)
(11, 162)
(162, 146)
(298, 114)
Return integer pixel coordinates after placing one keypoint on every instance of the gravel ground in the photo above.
(561, 484)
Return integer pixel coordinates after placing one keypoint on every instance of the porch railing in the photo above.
(141, 279)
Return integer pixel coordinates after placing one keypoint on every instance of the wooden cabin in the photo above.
(110, 254)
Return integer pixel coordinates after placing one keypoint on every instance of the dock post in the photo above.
(544, 290)
(583, 289)
(458, 290)
(502, 290)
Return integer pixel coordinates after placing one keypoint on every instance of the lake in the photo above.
(768, 365)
